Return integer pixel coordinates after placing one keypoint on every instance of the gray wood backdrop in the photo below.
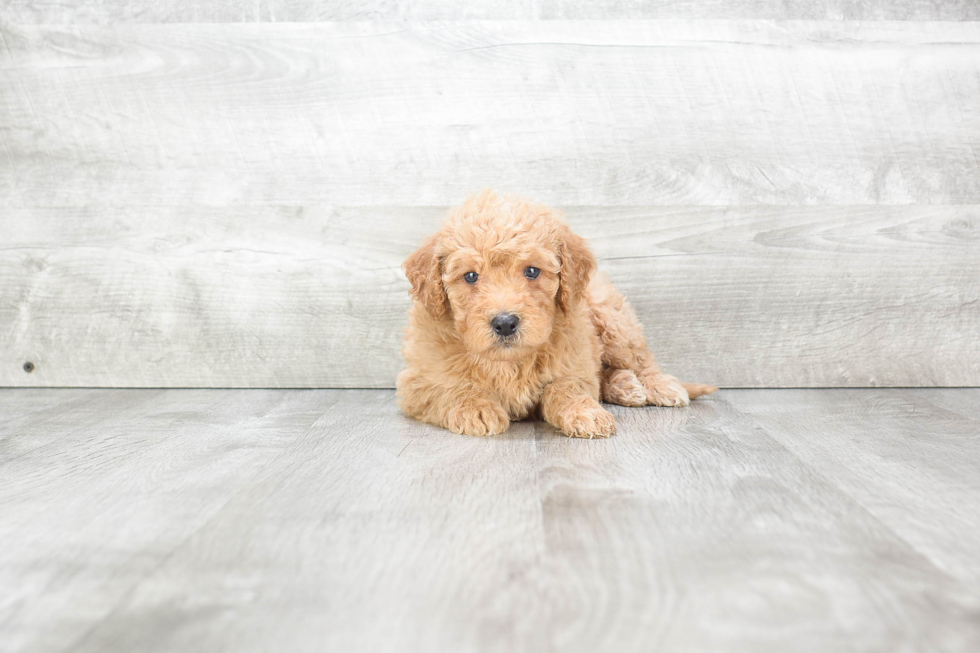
(221, 194)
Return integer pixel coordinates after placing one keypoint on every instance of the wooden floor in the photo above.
(323, 520)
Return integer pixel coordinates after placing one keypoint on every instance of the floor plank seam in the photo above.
(114, 611)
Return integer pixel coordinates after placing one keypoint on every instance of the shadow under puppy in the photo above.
(509, 321)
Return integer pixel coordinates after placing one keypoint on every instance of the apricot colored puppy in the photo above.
(508, 322)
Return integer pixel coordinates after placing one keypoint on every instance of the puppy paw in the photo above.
(587, 422)
(665, 390)
(478, 418)
(621, 387)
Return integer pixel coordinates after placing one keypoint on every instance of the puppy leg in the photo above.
(625, 348)
(623, 388)
(568, 406)
(459, 409)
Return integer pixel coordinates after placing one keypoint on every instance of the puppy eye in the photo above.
(531, 272)
(470, 277)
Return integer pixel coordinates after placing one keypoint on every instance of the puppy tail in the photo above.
(695, 390)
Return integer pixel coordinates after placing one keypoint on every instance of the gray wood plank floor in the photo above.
(323, 520)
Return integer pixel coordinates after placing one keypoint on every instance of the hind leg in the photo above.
(663, 389)
(625, 349)
(621, 387)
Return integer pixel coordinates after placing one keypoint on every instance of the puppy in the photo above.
(508, 321)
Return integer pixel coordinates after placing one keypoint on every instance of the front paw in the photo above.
(665, 390)
(477, 418)
(587, 422)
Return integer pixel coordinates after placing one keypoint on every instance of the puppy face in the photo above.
(502, 296)
(501, 269)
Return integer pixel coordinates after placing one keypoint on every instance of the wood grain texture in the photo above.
(104, 12)
(146, 470)
(314, 297)
(570, 112)
(922, 439)
(228, 205)
(324, 520)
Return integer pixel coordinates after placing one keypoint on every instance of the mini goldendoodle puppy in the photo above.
(508, 321)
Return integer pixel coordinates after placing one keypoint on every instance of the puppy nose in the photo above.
(505, 324)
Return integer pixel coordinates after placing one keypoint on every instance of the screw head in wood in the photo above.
(28, 367)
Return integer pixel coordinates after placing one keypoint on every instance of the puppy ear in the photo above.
(577, 266)
(423, 271)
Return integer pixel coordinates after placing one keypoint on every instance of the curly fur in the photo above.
(578, 339)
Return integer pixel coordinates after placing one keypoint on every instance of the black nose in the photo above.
(505, 324)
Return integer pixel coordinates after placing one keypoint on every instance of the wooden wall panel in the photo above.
(584, 113)
(313, 296)
(107, 12)
(227, 205)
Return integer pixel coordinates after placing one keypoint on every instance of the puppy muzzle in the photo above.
(505, 326)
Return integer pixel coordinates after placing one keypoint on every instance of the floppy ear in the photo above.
(424, 273)
(577, 265)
